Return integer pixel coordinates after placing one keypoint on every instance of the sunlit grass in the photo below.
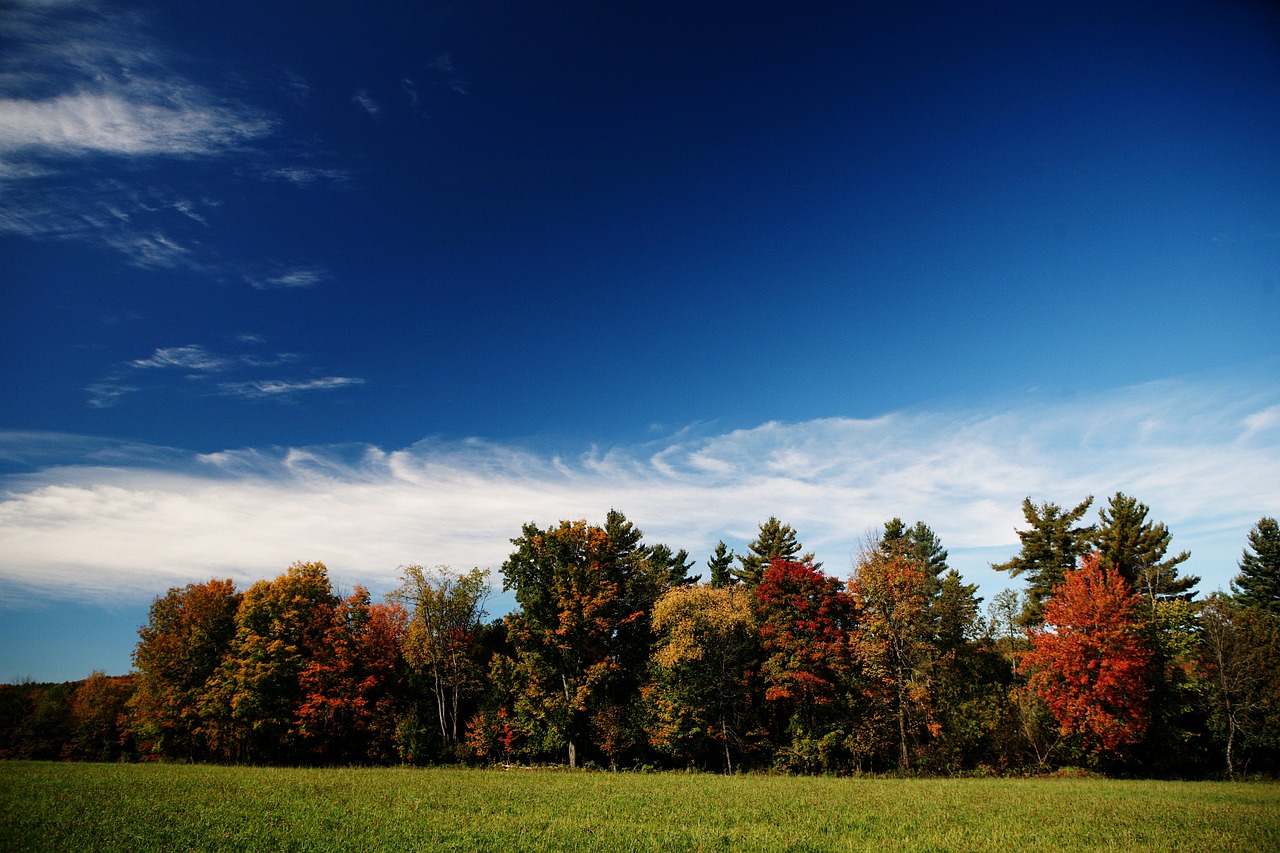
(170, 807)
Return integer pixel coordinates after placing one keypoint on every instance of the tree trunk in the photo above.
(903, 760)
(573, 755)
(728, 762)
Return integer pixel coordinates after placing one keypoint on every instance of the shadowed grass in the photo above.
(169, 807)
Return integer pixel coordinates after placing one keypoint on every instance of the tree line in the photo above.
(618, 655)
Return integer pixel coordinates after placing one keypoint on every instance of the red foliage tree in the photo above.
(805, 618)
(347, 711)
(1089, 661)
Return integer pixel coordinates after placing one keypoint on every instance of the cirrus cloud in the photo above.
(134, 520)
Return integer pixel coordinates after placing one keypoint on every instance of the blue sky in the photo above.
(376, 285)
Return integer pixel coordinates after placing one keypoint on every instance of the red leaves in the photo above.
(805, 617)
(1089, 662)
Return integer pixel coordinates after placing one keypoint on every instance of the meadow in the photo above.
(64, 806)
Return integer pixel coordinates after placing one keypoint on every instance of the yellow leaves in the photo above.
(692, 619)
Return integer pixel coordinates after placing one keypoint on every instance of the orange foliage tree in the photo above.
(893, 641)
(1089, 660)
(179, 655)
(349, 686)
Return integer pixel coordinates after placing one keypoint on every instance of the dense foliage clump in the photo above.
(616, 656)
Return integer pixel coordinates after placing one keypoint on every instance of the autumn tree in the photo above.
(179, 655)
(805, 623)
(1258, 584)
(776, 541)
(1135, 547)
(582, 632)
(1089, 660)
(1050, 548)
(441, 645)
(250, 711)
(99, 711)
(892, 594)
(708, 649)
(351, 684)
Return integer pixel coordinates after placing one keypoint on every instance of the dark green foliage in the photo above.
(1050, 548)
(777, 541)
(1258, 584)
(721, 563)
(676, 566)
(1240, 663)
(1135, 547)
(917, 543)
(582, 633)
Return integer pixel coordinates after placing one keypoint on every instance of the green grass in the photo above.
(47, 806)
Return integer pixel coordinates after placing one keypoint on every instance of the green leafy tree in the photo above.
(777, 541)
(1258, 584)
(582, 633)
(970, 680)
(442, 640)
(918, 543)
(676, 565)
(721, 565)
(1240, 663)
(179, 655)
(1135, 547)
(708, 649)
(1050, 548)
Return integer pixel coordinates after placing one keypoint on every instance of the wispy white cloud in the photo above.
(200, 365)
(280, 388)
(191, 357)
(86, 91)
(289, 280)
(443, 65)
(144, 520)
(366, 102)
(138, 120)
(305, 176)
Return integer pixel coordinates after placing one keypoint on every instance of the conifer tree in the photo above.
(675, 565)
(777, 541)
(1050, 549)
(721, 564)
(919, 544)
(1258, 584)
(1135, 547)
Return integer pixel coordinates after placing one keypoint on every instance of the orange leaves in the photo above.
(1089, 663)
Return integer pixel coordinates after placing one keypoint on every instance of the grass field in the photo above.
(50, 806)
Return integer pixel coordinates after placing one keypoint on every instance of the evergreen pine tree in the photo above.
(1050, 549)
(1135, 547)
(720, 564)
(674, 566)
(919, 544)
(1258, 584)
(777, 541)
